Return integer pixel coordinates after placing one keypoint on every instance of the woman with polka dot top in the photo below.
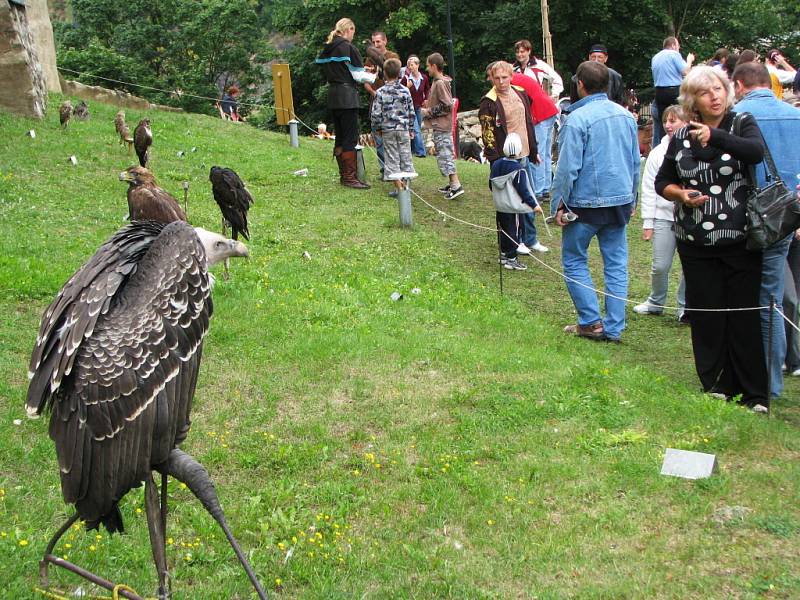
(705, 174)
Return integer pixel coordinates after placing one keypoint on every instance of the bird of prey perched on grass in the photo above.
(82, 111)
(147, 201)
(116, 364)
(234, 201)
(65, 113)
(142, 139)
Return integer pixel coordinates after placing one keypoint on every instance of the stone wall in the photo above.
(23, 90)
(119, 98)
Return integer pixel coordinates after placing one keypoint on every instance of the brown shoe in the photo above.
(593, 331)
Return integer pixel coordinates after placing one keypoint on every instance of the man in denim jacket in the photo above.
(780, 125)
(596, 181)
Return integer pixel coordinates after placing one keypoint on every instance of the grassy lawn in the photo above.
(454, 443)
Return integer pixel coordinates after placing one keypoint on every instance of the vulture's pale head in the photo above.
(137, 176)
(218, 248)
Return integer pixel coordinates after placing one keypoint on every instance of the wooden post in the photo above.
(282, 84)
(547, 38)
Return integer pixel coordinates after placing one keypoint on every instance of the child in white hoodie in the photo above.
(658, 216)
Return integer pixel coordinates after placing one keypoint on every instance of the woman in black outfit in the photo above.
(704, 174)
(341, 63)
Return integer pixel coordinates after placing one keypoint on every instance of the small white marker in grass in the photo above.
(74, 160)
(32, 134)
(688, 464)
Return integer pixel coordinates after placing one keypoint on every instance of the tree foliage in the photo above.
(198, 46)
(193, 47)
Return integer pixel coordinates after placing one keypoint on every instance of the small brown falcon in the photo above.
(147, 201)
(142, 139)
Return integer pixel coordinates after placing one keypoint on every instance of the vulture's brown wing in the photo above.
(233, 199)
(151, 203)
(128, 399)
(72, 316)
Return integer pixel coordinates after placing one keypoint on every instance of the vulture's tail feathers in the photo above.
(112, 521)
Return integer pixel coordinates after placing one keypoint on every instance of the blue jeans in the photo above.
(417, 145)
(378, 139)
(575, 240)
(543, 172)
(772, 277)
(658, 128)
(529, 236)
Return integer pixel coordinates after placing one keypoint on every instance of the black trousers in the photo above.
(727, 346)
(345, 126)
(508, 225)
(666, 96)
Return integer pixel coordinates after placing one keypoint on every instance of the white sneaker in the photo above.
(523, 249)
(538, 247)
(796, 373)
(645, 308)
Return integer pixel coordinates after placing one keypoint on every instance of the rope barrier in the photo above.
(564, 275)
(436, 209)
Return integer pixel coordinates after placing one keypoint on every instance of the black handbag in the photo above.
(773, 211)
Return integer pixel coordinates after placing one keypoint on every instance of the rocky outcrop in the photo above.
(23, 90)
(42, 31)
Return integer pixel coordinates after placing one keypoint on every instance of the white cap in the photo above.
(512, 146)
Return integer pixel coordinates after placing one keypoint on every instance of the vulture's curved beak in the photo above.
(239, 249)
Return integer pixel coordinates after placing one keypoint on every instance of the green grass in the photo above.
(451, 444)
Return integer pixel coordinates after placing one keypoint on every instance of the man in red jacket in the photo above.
(543, 114)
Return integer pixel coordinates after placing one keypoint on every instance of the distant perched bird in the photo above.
(123, 131)
(147, 201)
(82, 111)
(142, 139)
(119, 122)
(116, 364)
(233, 199)
(65, 113)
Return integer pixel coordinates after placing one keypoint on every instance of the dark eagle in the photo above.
(147, 201)
(116, 363)
(233, 199)
(142, 139)
(65, 113)
(82, 111)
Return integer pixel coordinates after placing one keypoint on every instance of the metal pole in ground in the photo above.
(404, 201)
(361, 169)
(769, 350)
(500, 260)
(294, 138)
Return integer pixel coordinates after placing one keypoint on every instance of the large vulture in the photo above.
(233, 199)
(116, 362)
(147, 201)
(142, 139)
(82, 111)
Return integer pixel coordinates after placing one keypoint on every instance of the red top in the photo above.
(542, 106)
(418, 95)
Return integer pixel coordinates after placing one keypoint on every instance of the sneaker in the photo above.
(645, 308)
(513, 264)
(538, 247)
(444, 189)
(544, 197)
(454, 193)
(683, 318)
(393, 194)
(523, 249)
(760, 409)
(796, 373)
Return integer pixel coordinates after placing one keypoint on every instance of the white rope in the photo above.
(564, 275)
(787, 319)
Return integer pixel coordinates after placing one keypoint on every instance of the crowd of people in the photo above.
(713, 124)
